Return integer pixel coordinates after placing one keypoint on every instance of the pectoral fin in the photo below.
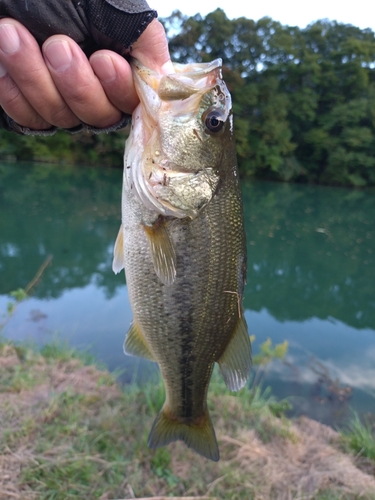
(235, 363)
(118, 252)
(135, 344)
(162, 251)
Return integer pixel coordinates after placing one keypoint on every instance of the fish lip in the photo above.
(202, 69)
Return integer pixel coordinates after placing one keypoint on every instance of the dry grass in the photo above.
(68, 431)
(299, 468)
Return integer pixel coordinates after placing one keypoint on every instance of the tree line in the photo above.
(303, 99)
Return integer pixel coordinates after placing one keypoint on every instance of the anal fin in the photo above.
(136, 345)
(235, 363)
(162, 251)
(118, 252)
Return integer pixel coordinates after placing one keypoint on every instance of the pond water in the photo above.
(311, 279)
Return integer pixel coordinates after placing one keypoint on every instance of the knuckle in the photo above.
(29, 79)
(62, 117)
(80, 95)
(10, 95)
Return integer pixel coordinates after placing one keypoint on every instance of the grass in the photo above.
(68, 431)
(360, 437)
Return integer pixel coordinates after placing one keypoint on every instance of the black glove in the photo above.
(93, 24)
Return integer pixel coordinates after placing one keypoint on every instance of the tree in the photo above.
(302, 99)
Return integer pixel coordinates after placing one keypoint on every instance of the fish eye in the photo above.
(213, 121)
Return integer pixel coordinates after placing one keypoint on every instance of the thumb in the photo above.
(151, 49)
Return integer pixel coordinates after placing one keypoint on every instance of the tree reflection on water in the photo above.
(311, 252)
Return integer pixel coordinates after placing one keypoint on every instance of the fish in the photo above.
(182, 245)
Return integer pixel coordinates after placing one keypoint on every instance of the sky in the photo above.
(360, 13)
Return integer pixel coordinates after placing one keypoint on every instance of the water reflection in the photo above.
(311, 253)
(70, 213)
(311, 275)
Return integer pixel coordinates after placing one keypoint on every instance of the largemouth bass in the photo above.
(182, 245)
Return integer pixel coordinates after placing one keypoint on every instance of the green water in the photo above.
(311, 278)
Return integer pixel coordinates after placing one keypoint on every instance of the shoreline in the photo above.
(69, 431)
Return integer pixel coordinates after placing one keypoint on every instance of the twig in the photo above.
(131, 490)
(38, 274)
(230, 440)
(9, 494)
(238, 301)
(212, 485)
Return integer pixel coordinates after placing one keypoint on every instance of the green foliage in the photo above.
(160, 465)
(268, 353)
(360, 437)
(19, 295)
(83, 148)
(58, 350)
(303, 98)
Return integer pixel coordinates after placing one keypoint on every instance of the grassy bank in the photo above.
(68, 431)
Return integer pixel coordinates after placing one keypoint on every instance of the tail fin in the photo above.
(200, 436)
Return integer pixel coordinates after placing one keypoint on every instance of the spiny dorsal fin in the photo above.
(162, 251)
(118, 252)
(199, 436)
(135, 344)
(235, 363)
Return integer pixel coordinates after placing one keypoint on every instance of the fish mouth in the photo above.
(188, 80)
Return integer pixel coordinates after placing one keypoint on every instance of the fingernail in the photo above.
(9, 39)
(3, 71)
(104, 68)
(58, 54)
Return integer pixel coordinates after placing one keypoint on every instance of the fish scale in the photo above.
(185, 273)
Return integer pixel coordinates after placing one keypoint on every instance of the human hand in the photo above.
(61, 87)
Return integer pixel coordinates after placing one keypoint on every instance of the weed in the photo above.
(360, 437)
(61, 351)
